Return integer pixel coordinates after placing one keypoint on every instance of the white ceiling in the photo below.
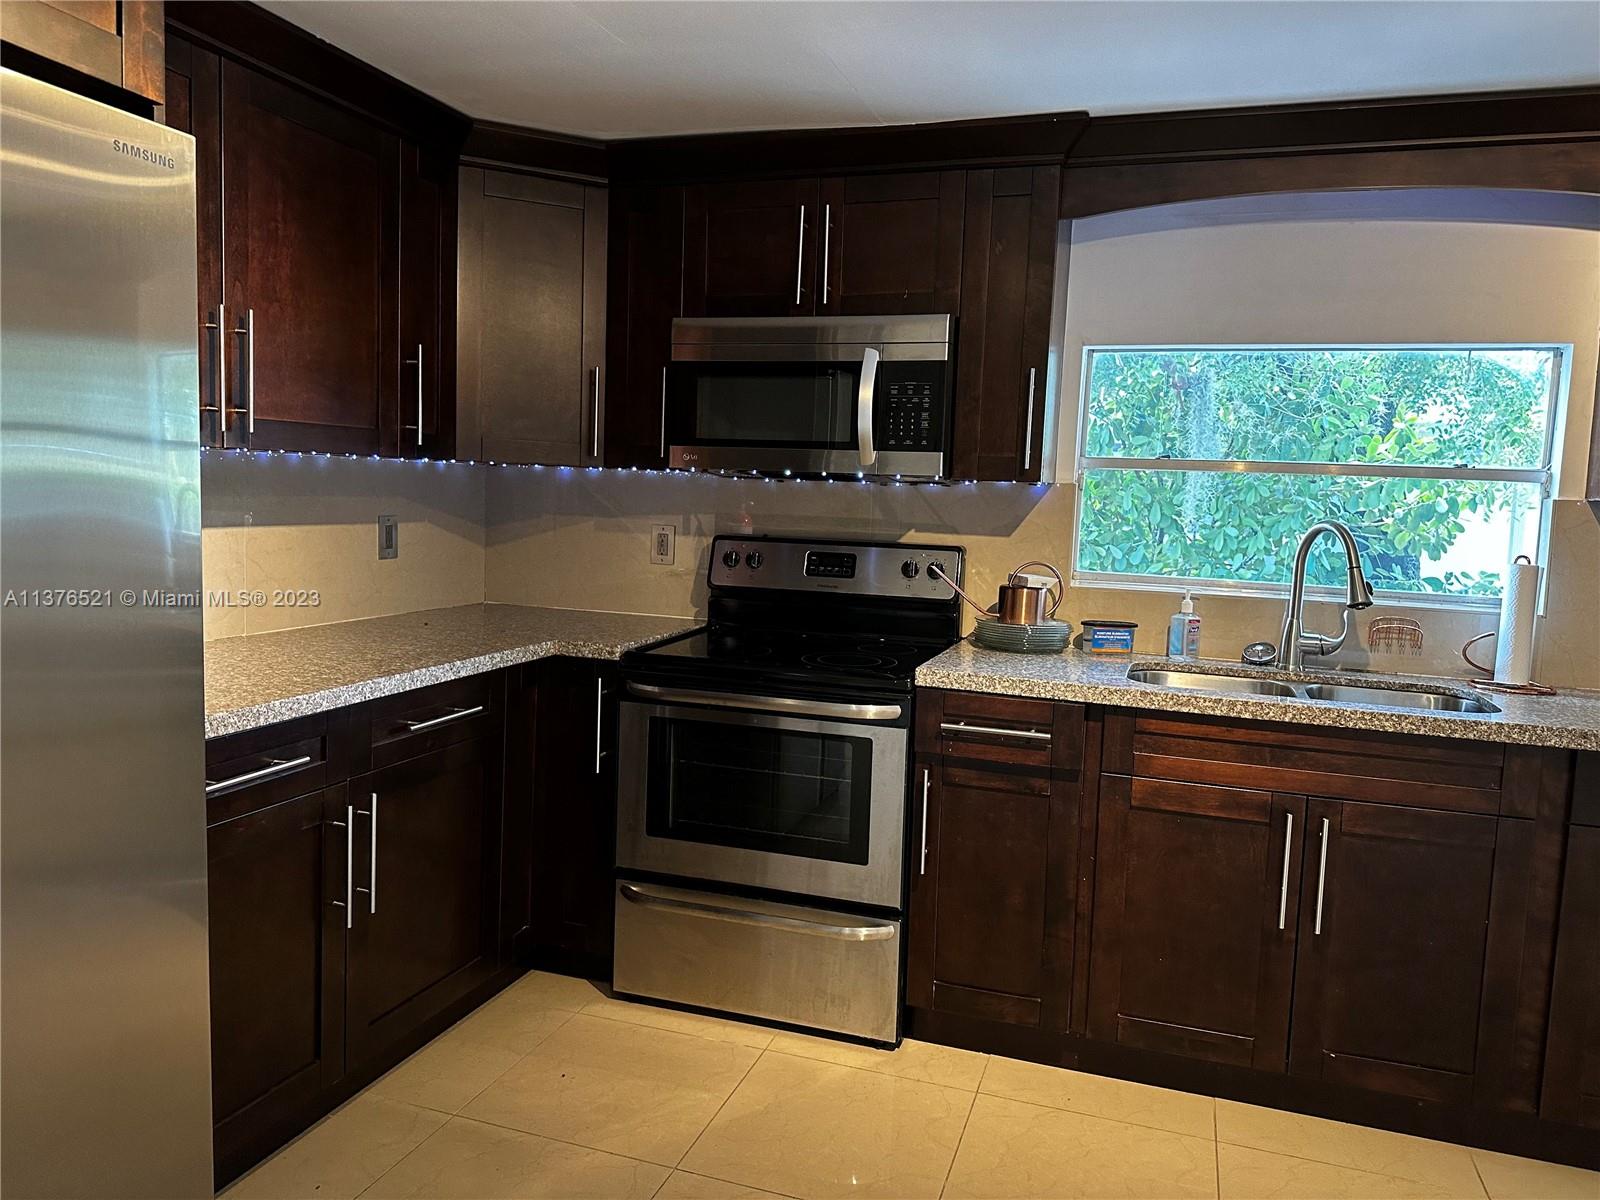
(630, 68)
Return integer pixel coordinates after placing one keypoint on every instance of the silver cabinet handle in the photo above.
(219, 371)
(1027, 425)
(433, 722)
(594, 409)
(777, 704)
(1283, 888)
(869, 382)
(827, 233)
(599, 707)
(799, 255)
(663, 416)
(418, 362)
(927, 782)
(248, 332)
(348, 903)
(372, 864)
(637, 894)
(1033, 735)
(278, 766)
(1322, 876)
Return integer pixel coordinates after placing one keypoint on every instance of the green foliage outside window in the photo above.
(1444, 408)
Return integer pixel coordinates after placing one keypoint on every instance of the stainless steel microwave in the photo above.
(867, 396)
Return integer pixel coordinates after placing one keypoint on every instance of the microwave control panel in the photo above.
(911, 403)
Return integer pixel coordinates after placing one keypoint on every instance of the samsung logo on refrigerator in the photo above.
(144, 154)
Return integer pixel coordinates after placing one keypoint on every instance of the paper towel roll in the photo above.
(1519, 608)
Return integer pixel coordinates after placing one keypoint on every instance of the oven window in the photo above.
(805, 405)
(758, 788)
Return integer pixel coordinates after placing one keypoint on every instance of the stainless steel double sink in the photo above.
(1379, 694)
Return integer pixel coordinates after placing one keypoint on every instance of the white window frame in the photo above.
(1544, 475)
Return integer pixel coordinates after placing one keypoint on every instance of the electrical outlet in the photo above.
(388, 537)
(663, 544)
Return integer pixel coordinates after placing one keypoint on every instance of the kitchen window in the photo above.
(1203, 465)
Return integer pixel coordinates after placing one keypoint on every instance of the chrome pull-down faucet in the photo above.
(1296, 643)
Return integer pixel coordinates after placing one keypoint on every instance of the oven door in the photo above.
(794, 802)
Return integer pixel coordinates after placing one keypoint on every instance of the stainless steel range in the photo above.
(764, 764)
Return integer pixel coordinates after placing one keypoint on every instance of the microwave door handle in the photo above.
(869, 379)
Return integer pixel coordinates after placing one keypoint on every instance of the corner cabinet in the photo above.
(1572, 1063)
(532, 318)
(354, 884)
(324, 331)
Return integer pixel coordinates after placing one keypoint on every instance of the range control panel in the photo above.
(862, 569)
(911, 400)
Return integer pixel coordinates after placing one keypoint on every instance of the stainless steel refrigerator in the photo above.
(104, 1037)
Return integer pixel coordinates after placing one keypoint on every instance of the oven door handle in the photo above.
(869, 383)
(775, 704)
(637, 894)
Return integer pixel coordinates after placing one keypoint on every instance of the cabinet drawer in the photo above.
(249, 771)
(1005, 731)
(804, 966)
(428, 719)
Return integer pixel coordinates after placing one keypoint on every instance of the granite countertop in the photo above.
(265, 678)
(1568, 720)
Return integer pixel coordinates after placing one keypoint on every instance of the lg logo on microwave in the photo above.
(689, 456)
(144, 154)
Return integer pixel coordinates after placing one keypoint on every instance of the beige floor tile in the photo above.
(447, 1072)
(1246, 1174)
(541, 989)
(1507, 1177)
(944, 1065)
(1099, 1096)
(467, 1160)
(1376, 1150)
(807, 1128)
(718, 1028)
(684, 1185)
(610, 1085)
(342, 1154)
(517, 1022)
(1030, 1152)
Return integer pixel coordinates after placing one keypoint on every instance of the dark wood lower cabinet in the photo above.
(1195, 920)
(277, 968)
(573, 847)
(424, 932)
(1572, 1056)
(1394, 930)
(1381, 954)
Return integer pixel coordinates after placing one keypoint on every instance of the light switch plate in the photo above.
(663, 544)
(388, 537)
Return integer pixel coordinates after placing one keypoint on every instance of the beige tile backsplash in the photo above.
(573, 538)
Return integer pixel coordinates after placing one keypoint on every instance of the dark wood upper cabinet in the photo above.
(120, 43)
(892, 243)
(645, 292)
(531, 323)
(1195, 919)
(277, 969)
(750, 248)
(1394, 928)
(1572, 1056)
(310, 241)
(427, 309)
(426, 890)
(1007, 280)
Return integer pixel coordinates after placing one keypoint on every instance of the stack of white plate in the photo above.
(1047, 637)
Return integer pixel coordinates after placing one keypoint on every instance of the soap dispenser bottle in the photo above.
(1183, 632)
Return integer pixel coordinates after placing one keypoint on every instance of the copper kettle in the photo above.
(1023, 601)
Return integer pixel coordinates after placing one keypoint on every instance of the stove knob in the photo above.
(910, 569)
(730, 559)
(938, 567)
(753, 559)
